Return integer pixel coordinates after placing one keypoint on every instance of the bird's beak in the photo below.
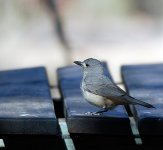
(78, 63)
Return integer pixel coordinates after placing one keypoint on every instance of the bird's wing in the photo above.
(103, 86)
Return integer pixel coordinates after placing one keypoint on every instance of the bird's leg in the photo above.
(104, 109)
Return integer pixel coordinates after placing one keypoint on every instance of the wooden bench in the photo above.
(28, 116)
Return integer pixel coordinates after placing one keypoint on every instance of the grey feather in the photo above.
(136, 101)
(94, 81)
(103, 86)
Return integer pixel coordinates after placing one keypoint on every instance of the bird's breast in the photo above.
(97, 100)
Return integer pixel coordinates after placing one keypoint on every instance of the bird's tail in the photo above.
(136, 101)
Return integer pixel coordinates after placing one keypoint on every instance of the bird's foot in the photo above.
(93, 113)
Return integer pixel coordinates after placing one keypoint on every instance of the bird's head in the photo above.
(91, 65)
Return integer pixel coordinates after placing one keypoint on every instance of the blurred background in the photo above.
(54, 33)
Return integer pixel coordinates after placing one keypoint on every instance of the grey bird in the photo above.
(100, 90)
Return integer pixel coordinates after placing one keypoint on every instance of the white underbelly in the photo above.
(97, 100)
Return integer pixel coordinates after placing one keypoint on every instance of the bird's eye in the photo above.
(87, 65)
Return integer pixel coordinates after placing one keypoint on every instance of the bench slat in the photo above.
(145, 82)
(26, 106)
(114, 122)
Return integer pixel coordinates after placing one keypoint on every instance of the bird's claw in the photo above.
(93, 113)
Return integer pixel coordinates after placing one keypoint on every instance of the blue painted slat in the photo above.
(28, 75)
(26, 106)
(114, 122)
(145, 82)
